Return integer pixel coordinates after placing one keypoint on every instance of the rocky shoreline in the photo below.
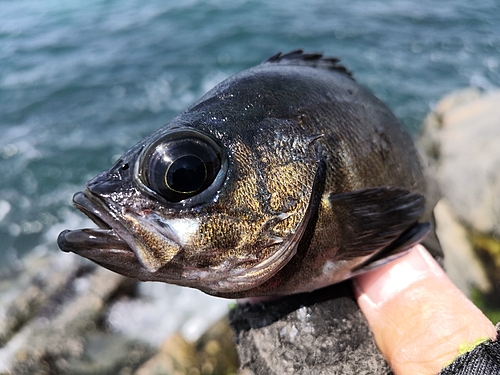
(55, 319)
(55, 310)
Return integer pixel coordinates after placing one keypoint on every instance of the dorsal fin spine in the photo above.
(315, 60)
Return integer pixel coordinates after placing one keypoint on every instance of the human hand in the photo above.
(419, 318)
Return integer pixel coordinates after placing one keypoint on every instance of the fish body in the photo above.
(284, 178)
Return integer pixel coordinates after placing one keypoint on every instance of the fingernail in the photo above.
(382, 284)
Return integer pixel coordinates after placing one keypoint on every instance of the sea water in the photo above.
(82, 81)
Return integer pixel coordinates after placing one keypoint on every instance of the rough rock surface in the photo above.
(322, 332)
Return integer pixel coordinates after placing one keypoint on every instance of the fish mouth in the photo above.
(86, 241)
(112, 245)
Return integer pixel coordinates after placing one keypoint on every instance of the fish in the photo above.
(284, 178)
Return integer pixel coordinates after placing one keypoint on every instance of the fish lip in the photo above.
(84, 201)
(110, 234)
(96, 211)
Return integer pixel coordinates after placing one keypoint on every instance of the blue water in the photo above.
(82, 81)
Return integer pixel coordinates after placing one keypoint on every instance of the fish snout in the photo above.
(104, 183)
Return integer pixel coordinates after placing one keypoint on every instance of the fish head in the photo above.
(202, 203)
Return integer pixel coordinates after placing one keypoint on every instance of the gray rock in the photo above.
(61, 314)
(26, 290)
(322, 332)
(460, 261)
(213, 353)
(462, 136)
(51, 320)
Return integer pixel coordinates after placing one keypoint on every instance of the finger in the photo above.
(420, 320)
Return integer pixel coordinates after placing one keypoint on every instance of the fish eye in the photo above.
(181, 164)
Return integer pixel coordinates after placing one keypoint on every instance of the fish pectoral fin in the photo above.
(372, 220)
(399, 247)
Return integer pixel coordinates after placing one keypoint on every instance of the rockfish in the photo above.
(284, 178)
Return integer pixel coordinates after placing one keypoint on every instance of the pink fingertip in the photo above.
(381, 284)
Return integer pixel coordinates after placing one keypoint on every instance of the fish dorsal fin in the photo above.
(315, 60)
(377, 221)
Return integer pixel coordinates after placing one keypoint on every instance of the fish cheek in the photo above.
(243, 192)
(151, 248)
(290, 188)
(228, 239)
(216, 235)
(290, 173)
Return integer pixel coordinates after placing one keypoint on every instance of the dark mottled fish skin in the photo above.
(318, 181)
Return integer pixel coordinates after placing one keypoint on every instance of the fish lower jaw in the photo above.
(98, 239)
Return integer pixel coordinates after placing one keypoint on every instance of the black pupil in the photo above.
(187, 174)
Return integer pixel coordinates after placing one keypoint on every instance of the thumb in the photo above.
(418, 316)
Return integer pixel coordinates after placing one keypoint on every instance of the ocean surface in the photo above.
(82, 81)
